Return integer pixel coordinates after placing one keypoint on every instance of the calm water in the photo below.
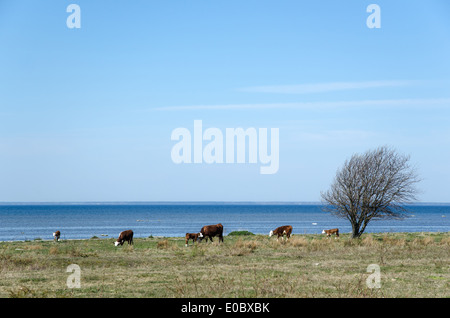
(28, 222)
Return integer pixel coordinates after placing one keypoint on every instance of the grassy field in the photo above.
(411, 265)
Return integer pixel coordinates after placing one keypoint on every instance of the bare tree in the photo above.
(374, 185)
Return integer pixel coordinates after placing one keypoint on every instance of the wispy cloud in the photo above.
(325, 105)
(325, 87)
(335, 135)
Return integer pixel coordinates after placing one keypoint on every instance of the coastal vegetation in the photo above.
(251, 266)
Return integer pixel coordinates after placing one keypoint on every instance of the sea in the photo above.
(21, 222)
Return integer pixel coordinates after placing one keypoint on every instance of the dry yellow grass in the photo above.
(411, 265)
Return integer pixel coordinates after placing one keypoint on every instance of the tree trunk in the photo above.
(356, 232)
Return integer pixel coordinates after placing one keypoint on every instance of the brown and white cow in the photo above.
(331, 232)
(125, 236)
(193, 236)
(211, 231)
(281, 231)
(56, 235)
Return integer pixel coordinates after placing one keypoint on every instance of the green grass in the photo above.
(411, 265)
(237, 233)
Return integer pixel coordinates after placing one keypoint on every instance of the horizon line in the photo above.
(188, 202)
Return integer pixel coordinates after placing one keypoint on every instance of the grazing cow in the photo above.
(210, 231)
(281, 231)
(331, 232)
(56, 235)
(125, 236)
(193, 236)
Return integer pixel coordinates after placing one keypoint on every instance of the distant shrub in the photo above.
(240, 233)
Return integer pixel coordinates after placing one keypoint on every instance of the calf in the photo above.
(331, 232)
(193, 236)
(281, 231)
(56, 235)
(125, 236)
(210, 231)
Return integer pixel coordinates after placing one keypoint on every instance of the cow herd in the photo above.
(210, 231)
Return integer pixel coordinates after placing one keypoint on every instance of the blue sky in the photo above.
(87, 114)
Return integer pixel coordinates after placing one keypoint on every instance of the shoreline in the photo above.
(234, 236)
